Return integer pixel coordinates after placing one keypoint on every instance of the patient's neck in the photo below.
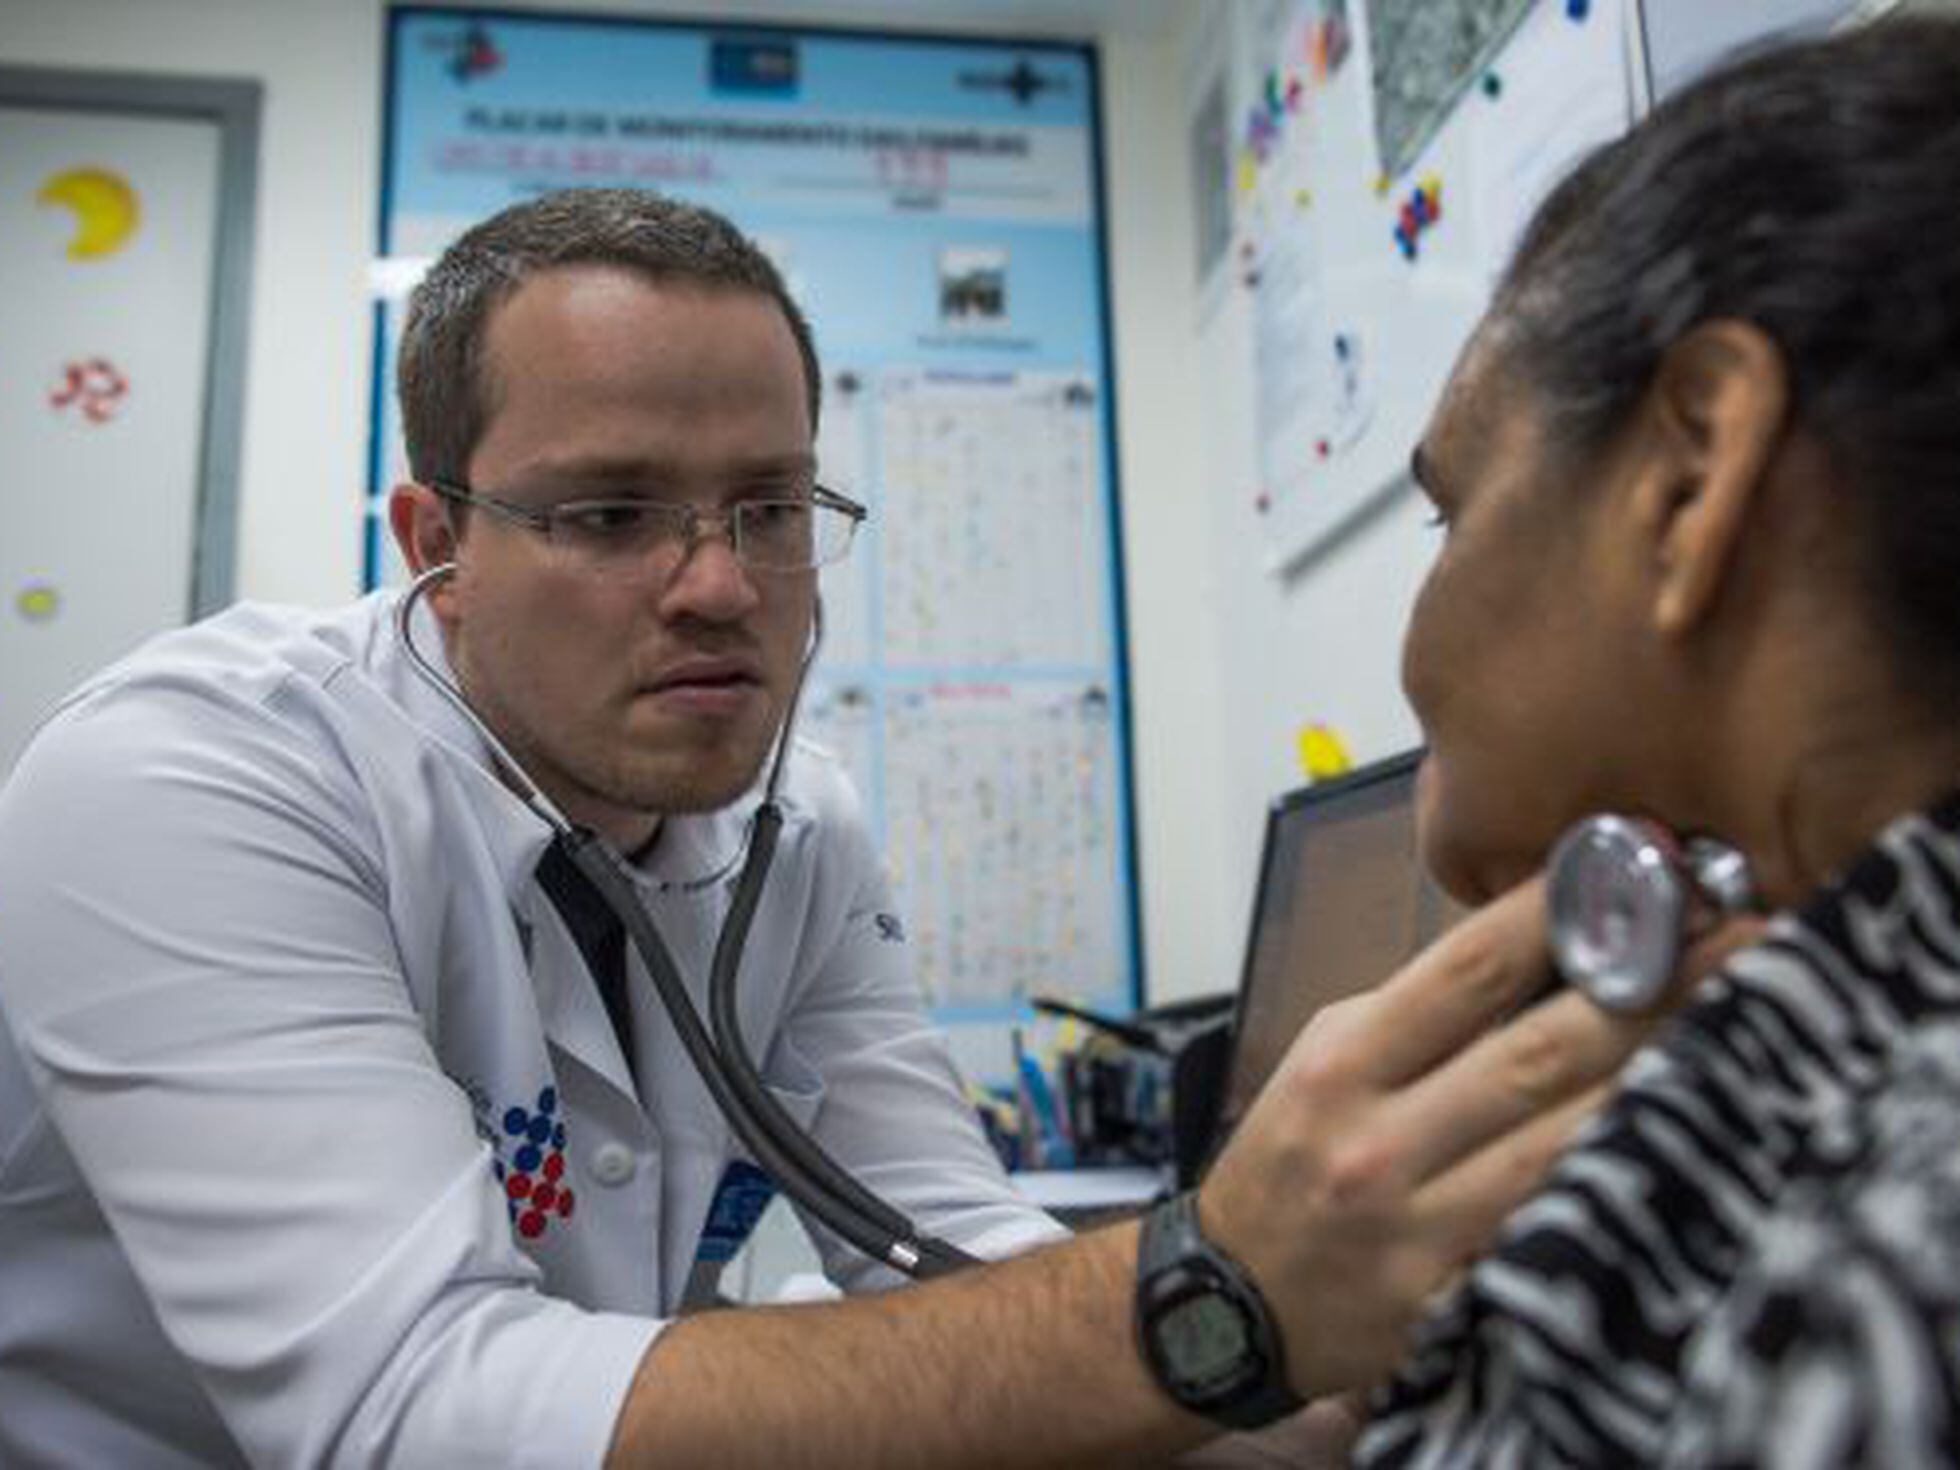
(1832, 795)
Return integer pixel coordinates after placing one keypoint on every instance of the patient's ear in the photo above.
(1717, 408)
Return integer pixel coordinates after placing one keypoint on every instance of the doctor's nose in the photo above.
(704, 575)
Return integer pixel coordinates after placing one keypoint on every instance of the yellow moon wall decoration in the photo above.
(105, 208)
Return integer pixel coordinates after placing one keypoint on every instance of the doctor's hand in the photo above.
(1406, 1123)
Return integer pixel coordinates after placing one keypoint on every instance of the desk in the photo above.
(1082, 1197)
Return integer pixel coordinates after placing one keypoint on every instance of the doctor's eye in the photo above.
(775, 517)
(609, 521)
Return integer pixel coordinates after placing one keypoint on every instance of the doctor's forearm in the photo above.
(1029, 1362)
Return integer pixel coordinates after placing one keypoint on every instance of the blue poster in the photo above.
(935, 206)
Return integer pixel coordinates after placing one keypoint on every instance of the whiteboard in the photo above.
(106, 308)
(1377, 197)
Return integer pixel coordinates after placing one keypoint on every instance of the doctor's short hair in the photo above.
(440, 373)
(1808, 189)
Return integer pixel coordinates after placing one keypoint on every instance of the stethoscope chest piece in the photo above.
(1625, 896)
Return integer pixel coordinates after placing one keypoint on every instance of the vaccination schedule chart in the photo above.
(935, 207)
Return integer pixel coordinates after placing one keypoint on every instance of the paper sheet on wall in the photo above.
(991, 492)
(998, 802)
(980, 724)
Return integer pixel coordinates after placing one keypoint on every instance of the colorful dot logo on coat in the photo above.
(105, 207)
(535, 1191)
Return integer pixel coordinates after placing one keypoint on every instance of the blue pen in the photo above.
(1054, 1147)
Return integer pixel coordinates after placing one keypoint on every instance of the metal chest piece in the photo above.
(1625, 897)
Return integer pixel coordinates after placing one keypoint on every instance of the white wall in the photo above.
(308, 364)
(1193, 917)
(1320, 646)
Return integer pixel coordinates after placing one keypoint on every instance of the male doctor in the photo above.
(323, 1138)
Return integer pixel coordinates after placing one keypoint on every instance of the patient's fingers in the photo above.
(1464, 1207)
(1447, 996)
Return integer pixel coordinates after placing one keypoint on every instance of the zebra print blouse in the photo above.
(1753, 1257)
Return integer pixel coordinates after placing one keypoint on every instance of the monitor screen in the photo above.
(1342, 902)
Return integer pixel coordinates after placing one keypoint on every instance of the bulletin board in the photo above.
(1387, 156)
(935, 206)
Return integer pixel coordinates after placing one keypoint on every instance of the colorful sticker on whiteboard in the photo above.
(38, 602)
(106, 209)
(1328, 41)
(92, 387)
(1419, 214)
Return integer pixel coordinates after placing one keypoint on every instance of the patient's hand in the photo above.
(1405, 1124)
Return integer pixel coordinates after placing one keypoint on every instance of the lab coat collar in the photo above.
(705, 850)
(700, 851)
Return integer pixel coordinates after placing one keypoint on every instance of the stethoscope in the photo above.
(1626, 896)
(800, 1166)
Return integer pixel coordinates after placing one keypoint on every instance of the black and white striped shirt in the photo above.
(1753, 1257)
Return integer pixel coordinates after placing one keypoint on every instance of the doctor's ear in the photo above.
(424, 532)
(1718, 408)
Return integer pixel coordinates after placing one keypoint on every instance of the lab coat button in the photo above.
(612, 1164)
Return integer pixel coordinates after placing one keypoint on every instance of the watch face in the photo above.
(1205, 1342)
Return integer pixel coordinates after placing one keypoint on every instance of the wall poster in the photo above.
(935, 204)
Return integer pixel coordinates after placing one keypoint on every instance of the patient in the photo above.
(1698, 478)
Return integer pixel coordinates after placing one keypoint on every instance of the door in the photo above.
(111, 273)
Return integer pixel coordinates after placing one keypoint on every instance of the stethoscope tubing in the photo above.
(800, 1165)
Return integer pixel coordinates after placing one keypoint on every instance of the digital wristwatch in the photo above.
(1203, 1328)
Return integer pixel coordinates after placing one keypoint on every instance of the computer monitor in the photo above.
(1342, 902)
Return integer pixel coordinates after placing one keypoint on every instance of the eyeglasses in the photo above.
(790, 534)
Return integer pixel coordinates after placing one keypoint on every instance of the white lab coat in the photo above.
(287, 1016)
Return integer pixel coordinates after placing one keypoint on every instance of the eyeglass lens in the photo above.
(774, 535)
